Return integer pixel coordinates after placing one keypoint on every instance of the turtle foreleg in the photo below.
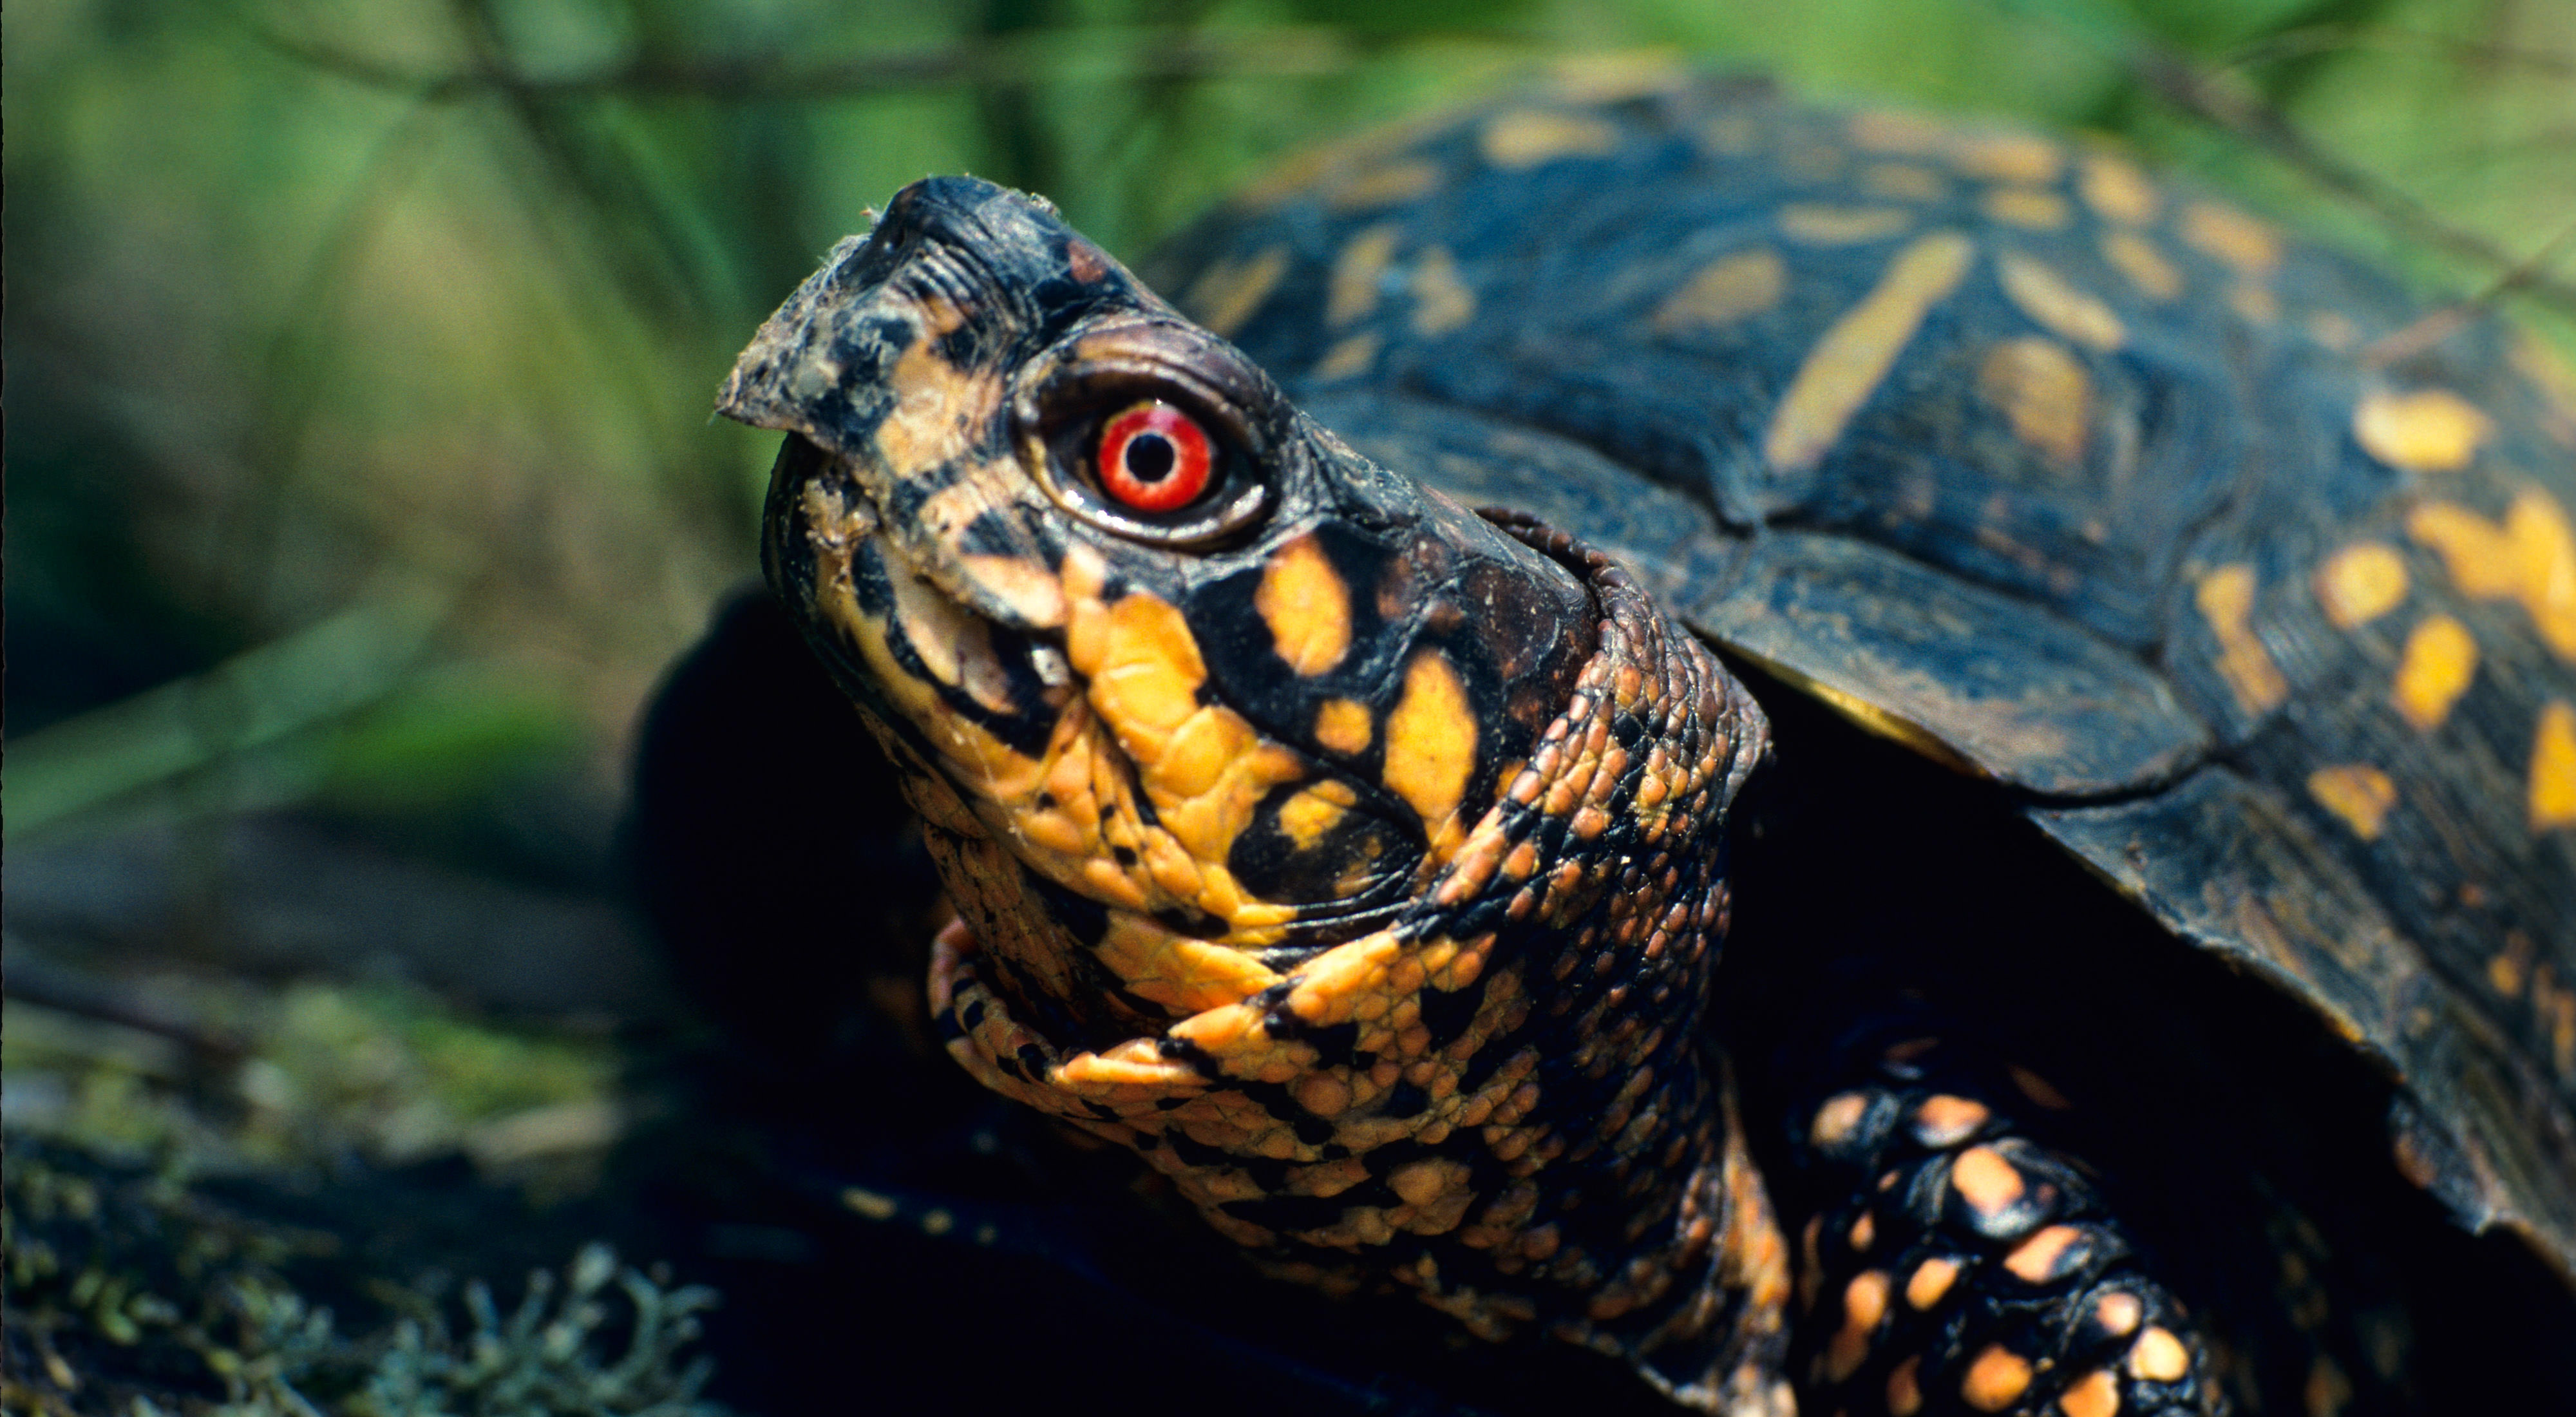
(1957, 1265)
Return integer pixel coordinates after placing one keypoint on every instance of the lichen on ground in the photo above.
(133, 1294)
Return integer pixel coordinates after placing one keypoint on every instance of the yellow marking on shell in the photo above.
(2254, 302)
(2241, 241)
(1845, 366)
(2022, 158)
(2358, 793)
(2553, 767)
(1612, 76)
(1430, 741)
(2327, 1389)
(2159, 1357)
(1822, 225)
(1185, 974)
(1344, 726)
(2043, 390)
(2360, 583)
(1306, 816)
(1351, 356)
(2226, 600)
(1903, 181)
(2530, 557)
(2510, 968)
(2030, 207)
(1985, 1180)
(2038, 1089)
(2425, 430)
(1995, 1378)
(1231, 291)
(2440, 660)
(2334, 330)
(1526, 137)
(1732, 134)
(2096, 1394)
(1351, 292)
(1864, 1304)
(2115, 187)
(1930, 1281)
(1307, 606)
(1863, 1233)
(2146, 267)
(2055, 304)
(1383, 185)
(1735, 286)
(1441, 302)
(1905, 134)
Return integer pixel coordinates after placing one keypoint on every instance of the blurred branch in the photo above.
(1108, 56)
(2232, 104)
(257, 697)
(2329, 39)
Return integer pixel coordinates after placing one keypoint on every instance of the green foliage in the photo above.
(134, 1295)
(311, 301)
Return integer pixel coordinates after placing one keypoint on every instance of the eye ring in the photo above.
(1154, 458)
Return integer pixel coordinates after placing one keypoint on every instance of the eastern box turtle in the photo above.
(2106, 674)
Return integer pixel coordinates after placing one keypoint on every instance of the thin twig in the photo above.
(1145, 54)
(2435, 326)
(2233, 106)
(2467, 53)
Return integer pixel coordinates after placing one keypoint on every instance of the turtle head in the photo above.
(1190, 689)
(1352, 856)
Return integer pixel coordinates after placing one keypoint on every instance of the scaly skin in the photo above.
(1356, 861)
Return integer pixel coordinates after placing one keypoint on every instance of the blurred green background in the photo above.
(359, 354)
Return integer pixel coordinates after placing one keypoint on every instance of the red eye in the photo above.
(1155, 458)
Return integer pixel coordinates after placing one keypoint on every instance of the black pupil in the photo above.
(1149, 457)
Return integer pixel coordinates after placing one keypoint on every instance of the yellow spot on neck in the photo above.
(2358, 793)
(2360, 583)
(1307, 815)
(1930, 1281)
(2440, 660)
(2158, 1356)
(2096, 1394)
(2553, 768)
(1842, 226)
(2226, 600)
(1306, 605)
(1733, 287)
(1430, 741)
(2137, 258)
(1343, 726)
(2044, 391)
(2428, 430)
(1230, 292)
(1845, 366)
(1352, 290)
(2053, 303)
(2530, 557)
(1441, 302)
(1527, 137)
(1995, 1378)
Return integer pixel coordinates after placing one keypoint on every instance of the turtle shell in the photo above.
(2251, 585)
